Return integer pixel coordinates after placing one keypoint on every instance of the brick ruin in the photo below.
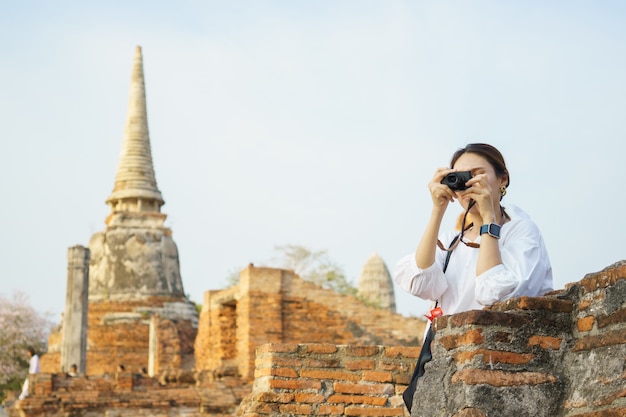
(275, 344)
(561, 355)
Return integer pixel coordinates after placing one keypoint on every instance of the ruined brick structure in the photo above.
(276, 306)
(138, 314)
(275, 344)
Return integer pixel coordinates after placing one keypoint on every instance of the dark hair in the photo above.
(490, 153)
(31, 350)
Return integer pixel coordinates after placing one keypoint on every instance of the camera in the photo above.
(456, 180)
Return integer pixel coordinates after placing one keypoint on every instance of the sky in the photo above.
(314, 123)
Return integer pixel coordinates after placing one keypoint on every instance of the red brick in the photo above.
(617, 317)
(321, 348)
(359, 411)
(304, 397)
(616, 337)
(295, 384)
(585, 324)
(471, 337)
(305, 409)
(402, 351)
(334, 375)
(377, 376)
(350, 388)
(357, 399)
(360, 364)
(327, 409)
(499, 378)
(362, 350)
(545, 342)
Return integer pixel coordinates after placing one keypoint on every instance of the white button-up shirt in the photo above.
(525, 270)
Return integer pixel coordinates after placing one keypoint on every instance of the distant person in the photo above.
(73, 371)
(33, 368)
(496, 254)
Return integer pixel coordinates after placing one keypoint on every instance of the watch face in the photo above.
(491, 229)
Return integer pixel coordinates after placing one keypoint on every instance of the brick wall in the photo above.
(327, 379)
(276, 306)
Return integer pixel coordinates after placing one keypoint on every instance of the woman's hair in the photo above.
(31, 350)
(490, 153)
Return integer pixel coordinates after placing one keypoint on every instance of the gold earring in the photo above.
(502, 191)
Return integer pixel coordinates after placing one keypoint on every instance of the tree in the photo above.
(313, 266)
(21, 326)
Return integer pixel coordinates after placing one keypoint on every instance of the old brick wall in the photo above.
(326, 379)
(128, 395)
(118, 333)
(557, 356)
(276, 306)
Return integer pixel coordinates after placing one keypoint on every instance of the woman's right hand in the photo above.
(441, 194)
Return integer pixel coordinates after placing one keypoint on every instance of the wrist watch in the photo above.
(492, 229)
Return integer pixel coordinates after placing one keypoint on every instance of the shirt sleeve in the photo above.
(427, 284)
(525, 268)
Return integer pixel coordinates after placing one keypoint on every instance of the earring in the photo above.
(502, 191)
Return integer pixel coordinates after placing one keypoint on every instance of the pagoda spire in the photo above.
(135, 189)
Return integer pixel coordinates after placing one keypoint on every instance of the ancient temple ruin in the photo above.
(376, 285)
(274, 344)
(135, 287)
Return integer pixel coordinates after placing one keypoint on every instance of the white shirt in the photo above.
(525, 270)
(33, 365)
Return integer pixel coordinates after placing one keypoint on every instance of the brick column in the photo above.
(259, 314)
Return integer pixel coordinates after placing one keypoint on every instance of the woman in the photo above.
(500, 255)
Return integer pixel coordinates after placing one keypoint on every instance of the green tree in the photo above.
(313, 266)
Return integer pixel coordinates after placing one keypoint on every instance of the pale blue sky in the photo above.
(313, 122)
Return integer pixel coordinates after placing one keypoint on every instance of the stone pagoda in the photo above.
(138, 315)
(375, 284)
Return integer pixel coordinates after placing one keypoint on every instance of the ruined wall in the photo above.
(118, 333)
(276, 306)
(325, 379)
(128, 395)
(561, 355)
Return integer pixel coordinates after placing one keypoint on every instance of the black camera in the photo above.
(456, 180)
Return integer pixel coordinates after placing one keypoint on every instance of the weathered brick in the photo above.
(471, 337)
(295, 384)
(618, 317)
(545, 342)
(357, 399)
(353, 365)
(332, 409)
(360, 411)
(303, 409)
(402, 351)
(360, 388)
(535, 303)
(362, 350)
(499, 378)
(377, 376)
(305, 397)
(321, 348)
(490, 318)
(616, 337)
(585, 324)
(332, 375)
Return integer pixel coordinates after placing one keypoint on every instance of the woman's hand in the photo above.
(441, 194)
(482, 193)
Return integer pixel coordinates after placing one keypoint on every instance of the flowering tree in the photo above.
(20, 326)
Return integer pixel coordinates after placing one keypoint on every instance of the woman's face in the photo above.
(479, 165)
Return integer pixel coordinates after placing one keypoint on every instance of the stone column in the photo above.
(153, 353)
(74, 344)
